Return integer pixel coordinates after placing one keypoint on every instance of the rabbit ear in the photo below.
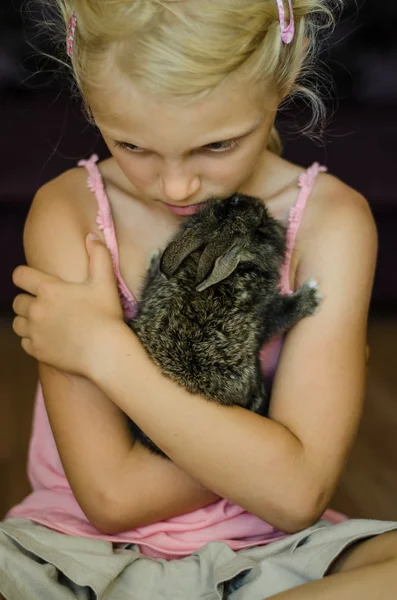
(224, 264)
(178, 250)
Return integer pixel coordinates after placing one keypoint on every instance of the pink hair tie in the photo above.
(71, 31)
(287, 31)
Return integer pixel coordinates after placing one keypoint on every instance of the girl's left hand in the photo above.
(64, 324)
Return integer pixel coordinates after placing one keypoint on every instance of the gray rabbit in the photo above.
(211, 300)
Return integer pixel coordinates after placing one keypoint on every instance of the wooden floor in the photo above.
(368, 487)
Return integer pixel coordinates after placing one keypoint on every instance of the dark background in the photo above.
(43, 132)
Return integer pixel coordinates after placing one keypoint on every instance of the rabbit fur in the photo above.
(211, 300)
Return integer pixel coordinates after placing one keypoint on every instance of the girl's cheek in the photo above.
(139, 172)
(229, 171)
(140, 176)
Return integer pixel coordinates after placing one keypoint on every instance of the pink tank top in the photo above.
(52, 502)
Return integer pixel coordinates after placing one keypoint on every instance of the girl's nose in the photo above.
(178, 186)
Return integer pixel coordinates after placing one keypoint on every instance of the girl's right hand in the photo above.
(66, 324)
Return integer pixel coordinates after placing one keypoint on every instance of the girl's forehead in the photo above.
(123, 105)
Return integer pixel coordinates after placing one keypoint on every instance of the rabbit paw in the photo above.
(153, 258)
(153, 272)
(310, 296)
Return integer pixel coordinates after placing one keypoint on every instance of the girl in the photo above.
(185, 94)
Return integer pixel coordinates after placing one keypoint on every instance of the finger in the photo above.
(100, 260)
(21, 304)
(30, 279)
(27, 345)
(21, 327)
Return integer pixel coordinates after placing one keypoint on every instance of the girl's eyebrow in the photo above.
(236, 136)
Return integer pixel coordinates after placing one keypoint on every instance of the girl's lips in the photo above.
(185, 211)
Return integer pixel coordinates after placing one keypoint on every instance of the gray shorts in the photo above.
(37, 563)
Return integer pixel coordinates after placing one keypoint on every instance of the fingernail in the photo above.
(93, 236)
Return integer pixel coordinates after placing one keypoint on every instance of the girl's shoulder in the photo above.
(327, 189)
(68, 194)
(333, 214)
(80, 193)
(62, 213)
(95, 199)
(328, 197)
(57, 224)
(337, 232)
(334, 203)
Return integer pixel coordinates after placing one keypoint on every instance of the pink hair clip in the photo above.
(71, 31)
(287, 31)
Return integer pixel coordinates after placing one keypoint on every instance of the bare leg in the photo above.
(365, 583)
(365, 571)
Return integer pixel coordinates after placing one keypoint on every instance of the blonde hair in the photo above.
(185, 48)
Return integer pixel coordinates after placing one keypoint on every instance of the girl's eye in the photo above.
(215, 148)
(130, 147)
(222, 146)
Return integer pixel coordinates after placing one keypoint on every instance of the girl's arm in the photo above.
(284, 470)
(109, 474)
(113, 479)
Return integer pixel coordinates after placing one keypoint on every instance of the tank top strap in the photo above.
(105, 223)
(104, 217)
(306, 183)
